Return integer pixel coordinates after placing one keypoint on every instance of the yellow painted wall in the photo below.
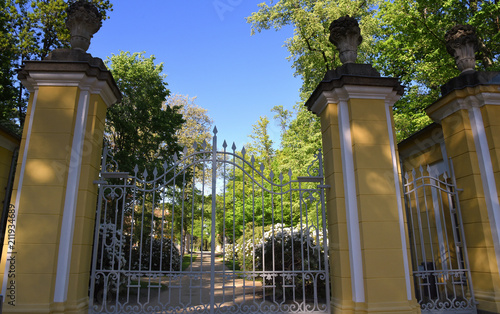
(377, 206)
(336, 211)
(381, 246)
(42, 202)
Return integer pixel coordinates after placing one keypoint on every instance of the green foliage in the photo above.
(261, 145)
(8, 91)
(156, 254)
(411, 46)
(140, 129)
(401, 38)
(311, 53)
(30, 29)
(299, 143)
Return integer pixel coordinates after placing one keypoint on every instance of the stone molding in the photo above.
(360, 80)
(464, 99)
(84, 75)
(346, 92)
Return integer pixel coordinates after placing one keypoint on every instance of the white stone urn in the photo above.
(346, 36)
(462, 43)
(83, 21)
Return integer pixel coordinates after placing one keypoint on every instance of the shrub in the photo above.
(285, 248)
(159, 253)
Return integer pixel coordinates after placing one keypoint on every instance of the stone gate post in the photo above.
(469, 113)
(369, 255)
(47, 252)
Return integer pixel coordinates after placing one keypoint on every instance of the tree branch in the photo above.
(309, 46)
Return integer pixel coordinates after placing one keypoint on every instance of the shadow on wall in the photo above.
(9, 148)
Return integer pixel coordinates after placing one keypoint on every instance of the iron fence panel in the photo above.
(215, 232)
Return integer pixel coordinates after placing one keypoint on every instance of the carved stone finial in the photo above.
(346, 36)
(83, 21)
(462, 44)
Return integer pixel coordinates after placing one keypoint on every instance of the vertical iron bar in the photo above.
(224, 225)
(234, 223)
(290, 190)
(253, 229)
(244, 226)
(283, 242)
(263, 241)
(214, 205)
(192, 235)
(96, 244)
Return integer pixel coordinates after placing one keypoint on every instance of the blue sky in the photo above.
(208, 52)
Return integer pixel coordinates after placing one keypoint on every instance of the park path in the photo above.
(194, 289)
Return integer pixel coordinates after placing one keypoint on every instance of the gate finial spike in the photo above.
(290, 173)
(204, 144)
(429, 171)
(271, 175)
(421, 170)
(413, 173)
(165, 165)
(145, 173)
(253, 160)
(262, 167)
(215, 130)
(195, 146)
(234, 147)
(281, 177)
(155, 172)
(136, 169)
(407, 176)
(224, 145)
(243, 151)
(175, 157)
(185, 151)
(445, 176)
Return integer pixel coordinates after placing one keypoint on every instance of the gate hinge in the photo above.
(324, 186)
(100, 182)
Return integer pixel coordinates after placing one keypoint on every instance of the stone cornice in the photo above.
(88, 75)
(470, 79)
(353, 81)
(464, 99)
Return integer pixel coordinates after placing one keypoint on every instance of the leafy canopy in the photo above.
(140, 129)
(29, 30)
(401, 38)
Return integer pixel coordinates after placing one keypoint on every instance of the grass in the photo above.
(230, 264)
(186, 261)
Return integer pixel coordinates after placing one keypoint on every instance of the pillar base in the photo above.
(389, 307)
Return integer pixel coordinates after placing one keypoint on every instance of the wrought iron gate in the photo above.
(212, 233)
(439, 254)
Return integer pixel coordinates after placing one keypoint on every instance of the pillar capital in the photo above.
(360, 81)
(465, 92)
(71, 68)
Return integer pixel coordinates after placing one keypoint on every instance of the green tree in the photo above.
(401, 38)
(282, 116)
(31, 29)
(262, 145)
(8, 91)
(140, 129)
(411, 47)
(299, 143)
(311, 53)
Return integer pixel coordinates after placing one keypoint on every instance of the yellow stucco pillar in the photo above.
(47, 252)
(369, 255)
(469, 113)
